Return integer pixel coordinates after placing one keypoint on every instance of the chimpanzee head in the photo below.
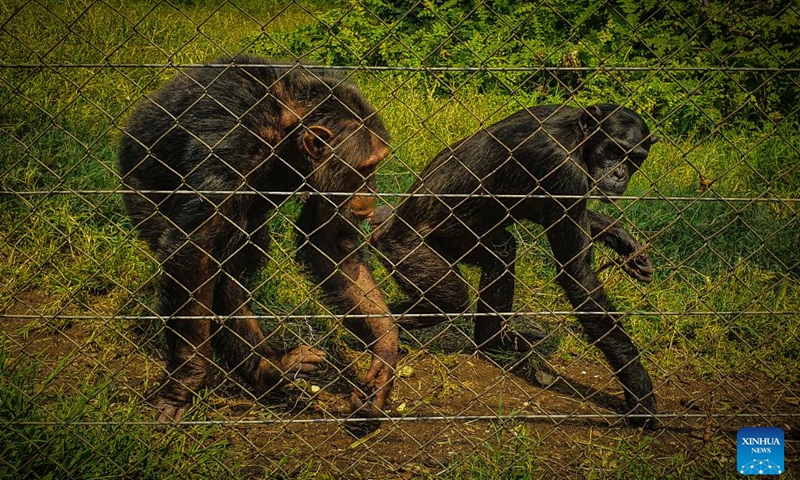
(616, 144)
(345, 140)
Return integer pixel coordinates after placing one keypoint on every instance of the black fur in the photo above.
(540, 153)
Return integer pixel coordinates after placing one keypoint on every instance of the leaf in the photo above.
(544, 378)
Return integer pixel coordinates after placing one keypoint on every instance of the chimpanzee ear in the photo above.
(590, 118)
(316, 140)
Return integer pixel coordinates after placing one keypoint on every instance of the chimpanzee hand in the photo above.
(379, 379)
(637, 265)
(633, 257)
(300, 362)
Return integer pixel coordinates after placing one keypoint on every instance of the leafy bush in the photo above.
(580, 47)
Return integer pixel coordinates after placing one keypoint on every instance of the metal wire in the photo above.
(23, 193)
(404, 69)
(85, 341)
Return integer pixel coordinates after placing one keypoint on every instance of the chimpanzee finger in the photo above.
(642, 264)
(378, 380)
(355, 401)
(372, 405)
(381, 396)
(308, 352)
(637, 266)
(306, 367)
(381, 384)
(303, 356)
(637, 274)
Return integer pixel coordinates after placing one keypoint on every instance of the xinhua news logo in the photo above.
(759, 451)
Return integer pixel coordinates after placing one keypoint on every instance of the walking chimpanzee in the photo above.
(539, 164)
(209, 156)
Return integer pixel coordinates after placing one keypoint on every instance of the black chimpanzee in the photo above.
(545, 160)
(209, 156)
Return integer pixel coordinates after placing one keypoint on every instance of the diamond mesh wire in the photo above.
(85, 338)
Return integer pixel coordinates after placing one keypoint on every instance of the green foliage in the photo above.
(48, 431)
(512, 453)
(590, 37)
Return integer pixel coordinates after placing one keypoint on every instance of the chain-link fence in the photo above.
(196, 283)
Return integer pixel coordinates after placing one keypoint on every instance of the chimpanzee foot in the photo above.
(647, 422)
(643, 414)
(276, 368)
(172, 402)
(512, 341)
(170, 411)
(175, 396)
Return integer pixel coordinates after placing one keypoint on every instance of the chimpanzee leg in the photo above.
(569, 241)
(187, 291)
(241, 340)
(432, 283)
(496, 255)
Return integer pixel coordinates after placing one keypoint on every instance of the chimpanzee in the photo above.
(208, 156)
(539, 164)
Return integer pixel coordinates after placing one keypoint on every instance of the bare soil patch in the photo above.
(446, 409)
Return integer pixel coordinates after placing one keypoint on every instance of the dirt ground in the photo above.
(561, 422)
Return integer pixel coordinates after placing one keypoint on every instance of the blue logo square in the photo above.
(759, 451)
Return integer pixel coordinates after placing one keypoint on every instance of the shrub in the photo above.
(642, 37)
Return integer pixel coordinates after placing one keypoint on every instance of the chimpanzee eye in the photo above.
(614, 151)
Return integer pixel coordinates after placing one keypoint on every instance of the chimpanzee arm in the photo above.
(329, 244)
(572, 251)
(608, 232)
(633, 259)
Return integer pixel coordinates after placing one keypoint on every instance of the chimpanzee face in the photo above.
(345, 162)
(613, 163)
(616, 150)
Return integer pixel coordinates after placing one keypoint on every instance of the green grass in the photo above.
(39, 437)
(76, 255)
